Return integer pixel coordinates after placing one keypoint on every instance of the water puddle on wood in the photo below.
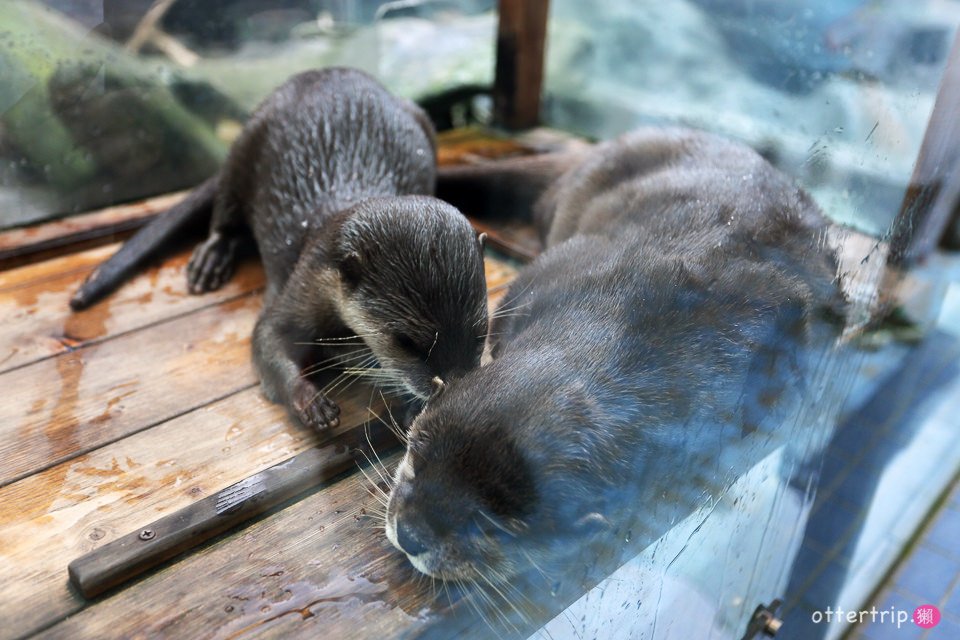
(253, 609)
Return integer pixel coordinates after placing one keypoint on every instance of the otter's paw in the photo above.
(313, 407)
(211, 263)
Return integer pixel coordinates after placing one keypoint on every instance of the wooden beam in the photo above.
(934, 189)
(521, 36)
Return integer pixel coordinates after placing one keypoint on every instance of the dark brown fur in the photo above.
(681, 287)
(324, 176)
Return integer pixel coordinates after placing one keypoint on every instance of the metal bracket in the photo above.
(764, 622)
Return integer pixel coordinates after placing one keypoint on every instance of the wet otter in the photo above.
(682, 279)
(324, 175)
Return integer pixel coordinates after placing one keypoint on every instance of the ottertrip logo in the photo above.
(926, 616)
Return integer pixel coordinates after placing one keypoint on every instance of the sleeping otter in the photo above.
(683, 279)
(324, 175)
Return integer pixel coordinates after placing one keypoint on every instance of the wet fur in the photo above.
(683, 279)
(325, 176)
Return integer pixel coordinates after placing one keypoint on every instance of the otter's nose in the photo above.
(408, 540)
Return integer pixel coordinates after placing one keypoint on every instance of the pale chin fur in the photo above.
(362, 325)
(419, 563)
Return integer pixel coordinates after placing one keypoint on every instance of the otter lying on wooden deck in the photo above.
(668, 317)
(326, 176)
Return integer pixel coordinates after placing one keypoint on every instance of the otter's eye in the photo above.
(406, 343)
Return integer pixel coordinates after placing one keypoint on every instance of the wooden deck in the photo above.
(145, 403)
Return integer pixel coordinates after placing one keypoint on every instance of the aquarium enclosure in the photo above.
(755, 526)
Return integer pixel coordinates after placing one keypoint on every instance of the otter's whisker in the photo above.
(535, 565)
(446, 590)
(496, 524)
(373, 466)
(346, 376)
(351, 381)
(477, 607)
(506, 600)
(397, 430)
(335, 361)
(374, 484)
(509, 314)
(332, 384)
(366, 433)
(501, 617)
(357, 338)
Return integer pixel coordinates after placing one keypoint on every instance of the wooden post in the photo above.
(521, 36)
(934, 189)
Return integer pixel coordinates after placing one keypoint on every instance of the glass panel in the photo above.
(98, 107)
(837, 95)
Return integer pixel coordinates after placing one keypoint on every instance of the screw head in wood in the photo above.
(148, 534)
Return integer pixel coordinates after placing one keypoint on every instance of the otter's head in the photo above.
(413, 287)
(490, 489)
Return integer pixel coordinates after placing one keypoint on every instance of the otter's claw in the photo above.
(211, 263)
(313, 407)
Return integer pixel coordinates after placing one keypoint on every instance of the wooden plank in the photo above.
(38, 322)
(80, 400)
(17, 244)
(50, 518)
(109, 482)
(521, 37)
(320, 568)
(129, 556)
(112, 388)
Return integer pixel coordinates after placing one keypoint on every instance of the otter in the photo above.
(326, 176)
(683, 280)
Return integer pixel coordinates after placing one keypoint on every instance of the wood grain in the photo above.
(129, 556)
(50, 518)
(152, 411)
(80, 400)
(38, 322)
(319, 568)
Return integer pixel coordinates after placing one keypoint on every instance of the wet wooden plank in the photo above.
(80, 400)
(17, 245)
(320, 568)
(81, 407)
(52, 517)
(460, 146)
(38, 322)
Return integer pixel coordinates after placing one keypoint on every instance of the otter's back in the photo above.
(323, 141)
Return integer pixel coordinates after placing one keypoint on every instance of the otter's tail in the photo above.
(504, 188)
(193, 210)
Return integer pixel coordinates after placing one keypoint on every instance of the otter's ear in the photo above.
(438, 385)
(482, 241)
(351, 268)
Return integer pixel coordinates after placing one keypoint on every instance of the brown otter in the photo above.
(669, 315)
(323, 175)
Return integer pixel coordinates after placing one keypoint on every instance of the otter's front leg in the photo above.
(276, 343)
